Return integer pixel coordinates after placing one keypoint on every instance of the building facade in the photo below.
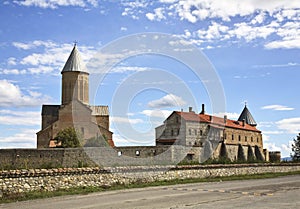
(219, 137)
(74, 110)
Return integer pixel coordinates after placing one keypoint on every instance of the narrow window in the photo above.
(232, 137)
(172, 132)
(239, 138)
(190, 132)
(245, 138)
(201, 132)
(119, 153)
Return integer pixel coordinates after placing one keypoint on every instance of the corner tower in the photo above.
(75, 80)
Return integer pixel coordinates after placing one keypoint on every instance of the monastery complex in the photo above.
(204, 134)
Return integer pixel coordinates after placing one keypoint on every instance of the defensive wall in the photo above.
(18, 181)
(107, 156)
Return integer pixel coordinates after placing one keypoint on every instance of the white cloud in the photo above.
(50, 60)
(231, 20)
(284, 44)
(169, 100)
(157, 113)
(273, 132)
(116, 119)
(11, 61)
(53, 4)
(17, 118)
(214, 31)
(12, 72)
(24, 139)
(158, 15)
(122, 69)
(195, 10)
(259, 18)
(291, 125)
(290, 64)
(123, 29)
(34, 44)
(230, 115)
(277, 107)
(11, 96)
(271, 147)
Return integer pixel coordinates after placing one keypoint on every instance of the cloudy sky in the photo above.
(253, 46)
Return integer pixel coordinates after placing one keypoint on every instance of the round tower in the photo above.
(75, 80)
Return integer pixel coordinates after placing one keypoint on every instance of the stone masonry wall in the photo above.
(18, 181)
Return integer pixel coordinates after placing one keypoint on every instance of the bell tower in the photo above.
(75, 80)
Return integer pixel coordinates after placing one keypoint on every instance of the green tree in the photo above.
(296, 149)
(68, 138)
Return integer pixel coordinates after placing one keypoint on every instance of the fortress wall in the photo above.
(18, 181)
(105, 156)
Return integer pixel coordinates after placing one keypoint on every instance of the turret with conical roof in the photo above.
(75, 79)
(247, 117)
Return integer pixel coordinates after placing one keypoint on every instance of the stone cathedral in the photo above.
(74, 110)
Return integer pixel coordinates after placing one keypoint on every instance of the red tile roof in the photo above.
(218, 121)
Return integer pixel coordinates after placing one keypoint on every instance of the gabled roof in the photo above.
(215, 121)
(246, 115)
(74, 62)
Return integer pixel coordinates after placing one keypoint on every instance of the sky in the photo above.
(252, 48)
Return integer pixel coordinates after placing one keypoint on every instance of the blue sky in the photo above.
(252, 45)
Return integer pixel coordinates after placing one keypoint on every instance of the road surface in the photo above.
(282, 192)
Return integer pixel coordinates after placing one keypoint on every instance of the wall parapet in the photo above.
(20, 181)
(132, 169)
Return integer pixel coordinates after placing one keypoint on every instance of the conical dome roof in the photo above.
(74, 62)
(246, 115)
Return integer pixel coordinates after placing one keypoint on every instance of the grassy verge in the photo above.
(87, 190)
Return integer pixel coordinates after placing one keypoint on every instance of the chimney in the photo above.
(203, 109)
(244, 122)
(225, 119)
(190, 109)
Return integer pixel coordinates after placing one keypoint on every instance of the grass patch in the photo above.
(86, 190)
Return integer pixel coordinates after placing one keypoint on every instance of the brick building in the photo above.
(74, 110)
